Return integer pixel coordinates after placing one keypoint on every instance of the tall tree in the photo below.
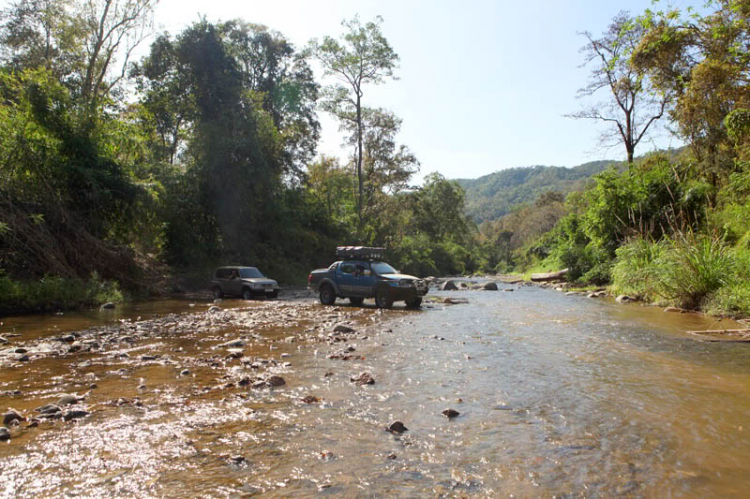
(633, 105)
(703, 59)
(362, 56)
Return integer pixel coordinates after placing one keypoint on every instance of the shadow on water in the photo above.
(557, 395)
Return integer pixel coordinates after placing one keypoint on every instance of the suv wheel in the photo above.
(383, 298)
(217, 292)
(327, 296)
(414, 302)
(247, 294)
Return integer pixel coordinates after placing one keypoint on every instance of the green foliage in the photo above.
(55, 293)
(635, 272)
(492, 196)
(693, 267)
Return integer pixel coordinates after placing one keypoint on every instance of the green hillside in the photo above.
(494, 195)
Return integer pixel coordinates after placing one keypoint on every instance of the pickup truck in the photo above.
(357, 277)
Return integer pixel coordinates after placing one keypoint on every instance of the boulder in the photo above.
(449, 285)
(490, 286)
(450, 413)
(397, 427)
(11, 416)
(108, 305)
(623, 299)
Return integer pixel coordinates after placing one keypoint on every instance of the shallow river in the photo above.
(558, 396)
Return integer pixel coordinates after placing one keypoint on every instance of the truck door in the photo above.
(365, 279)
(345, 277)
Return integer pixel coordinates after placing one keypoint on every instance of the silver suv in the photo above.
(246, 282)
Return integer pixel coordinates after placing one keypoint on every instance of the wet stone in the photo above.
(3, 341)
(276, 381)
(148, 357)
(185, 372)
(363, 379)
(23, 358)
(214, 309)
(450, 413)
(310, 399)
(108, 306)
(340, 328)
(67, 399)
(234, 344)
(397, 427)
(11, 416)
(20, 350)
(75, 414)
(4, 434)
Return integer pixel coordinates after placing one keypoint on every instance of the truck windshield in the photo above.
(382, 268)
(250, 273)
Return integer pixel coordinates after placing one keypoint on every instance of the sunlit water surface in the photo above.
(558, 396)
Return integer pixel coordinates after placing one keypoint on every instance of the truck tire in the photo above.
(217, 292)
(414, 302)
(327, 295)
(247, 294)
(383, 298)
(356, 300)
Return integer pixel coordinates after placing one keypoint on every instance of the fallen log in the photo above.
(725, 335)
(549, 276)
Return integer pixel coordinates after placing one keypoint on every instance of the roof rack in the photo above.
(360, 252)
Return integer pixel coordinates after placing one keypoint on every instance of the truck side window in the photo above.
(347, 268)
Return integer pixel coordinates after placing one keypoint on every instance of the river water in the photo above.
(558, 396)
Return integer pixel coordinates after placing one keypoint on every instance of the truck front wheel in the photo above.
(414, 302)
(383, 299)
(327, 296)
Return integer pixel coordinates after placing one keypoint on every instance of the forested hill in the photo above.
(491, 196)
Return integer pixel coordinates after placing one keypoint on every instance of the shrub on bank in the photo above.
(635, 270)
(52, 293)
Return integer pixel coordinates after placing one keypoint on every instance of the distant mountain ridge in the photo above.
(492, 196)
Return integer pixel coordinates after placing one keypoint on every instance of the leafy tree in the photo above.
(633, 105)
(362, 56)
(703, 61)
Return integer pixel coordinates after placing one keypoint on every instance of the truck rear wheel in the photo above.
(327, 296)
(383, 299)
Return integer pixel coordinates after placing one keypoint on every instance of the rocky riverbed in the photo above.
(527, 393)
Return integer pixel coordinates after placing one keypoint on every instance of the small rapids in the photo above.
(556, 396)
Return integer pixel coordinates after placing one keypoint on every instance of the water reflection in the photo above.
(557, 395)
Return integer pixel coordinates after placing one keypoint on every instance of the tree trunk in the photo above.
(359, 156)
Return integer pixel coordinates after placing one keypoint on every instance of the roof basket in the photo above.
(360, 252)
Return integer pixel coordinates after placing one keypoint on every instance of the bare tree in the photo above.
(633, 105)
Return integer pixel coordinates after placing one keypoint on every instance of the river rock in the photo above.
(108, 305)
(67, 399)
(214, 309)
(4, 434)
(363, 379)
(185, 372)
(3, 341)
(397, 427)
(75, 414)
(450, 413)
(623, 299)
(238, 343)
(310, 399)
(490, 286)
(449, 285)
(11, 416)
(275, 381)
(340, 328)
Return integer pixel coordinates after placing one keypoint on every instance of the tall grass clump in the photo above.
(53, 293)
(692, 267)
(734, 300)
(635, 271)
